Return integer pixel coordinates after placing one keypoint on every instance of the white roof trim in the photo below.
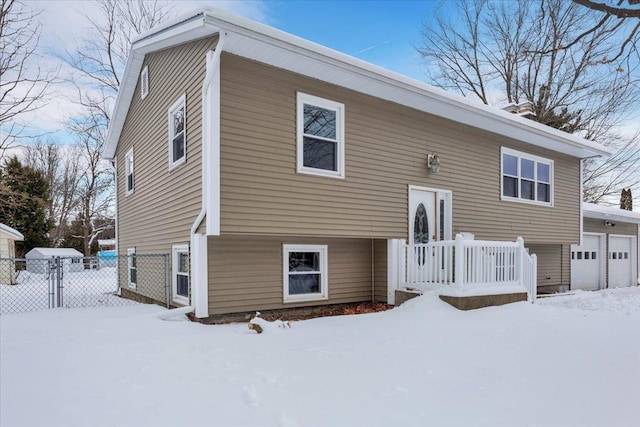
(265, 44)
(594, 211)
(12, 232)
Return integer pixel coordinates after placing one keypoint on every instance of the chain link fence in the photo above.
(38, 284)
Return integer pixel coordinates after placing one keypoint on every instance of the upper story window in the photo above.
(144, 83)
(177, 133)
(128, 171)
(320, 134)
(526, 178)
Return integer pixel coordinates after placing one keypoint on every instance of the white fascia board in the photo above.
(12, 232)
(593, 211)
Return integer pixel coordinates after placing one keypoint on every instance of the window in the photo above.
(128, 166)
(180, 258)
(144, 83)
(320, 133)
(526, 177)
(131, 264)
(305, 273)
(177, 133)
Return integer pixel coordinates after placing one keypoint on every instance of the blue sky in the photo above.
(380, 32)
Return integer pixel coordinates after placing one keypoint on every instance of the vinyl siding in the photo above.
(380, 270)
(554, 263)
(165, 202)
(386, 148)
(245, 273)
(597, 226)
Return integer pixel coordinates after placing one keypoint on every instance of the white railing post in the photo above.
(459, 261)
(533, 294)
(402, 264)
(392, 270)
(520, 260)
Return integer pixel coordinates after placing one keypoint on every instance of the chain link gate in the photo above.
(36, 284)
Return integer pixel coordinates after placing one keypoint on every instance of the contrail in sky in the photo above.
(366, 49)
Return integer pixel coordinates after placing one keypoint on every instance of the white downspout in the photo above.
(199, 274)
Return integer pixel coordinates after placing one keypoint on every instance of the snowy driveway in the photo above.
(565, 361)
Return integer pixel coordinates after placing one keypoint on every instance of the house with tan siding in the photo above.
(279, 173)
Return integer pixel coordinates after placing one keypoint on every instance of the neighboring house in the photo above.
(8, 238)
(315, 168)
(608, 256)
(37, 259)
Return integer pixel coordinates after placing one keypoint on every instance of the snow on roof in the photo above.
(262, 43)
(12, 232)
(591, 210)
(49, 252)
(106, 242)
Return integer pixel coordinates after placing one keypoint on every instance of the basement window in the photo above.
(305, 276)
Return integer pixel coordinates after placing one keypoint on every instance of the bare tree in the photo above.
(615, 8)
(540, 52)
(23, 84)
(61, 167)
(98, 64)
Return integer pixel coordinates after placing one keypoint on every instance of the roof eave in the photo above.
(274, 47)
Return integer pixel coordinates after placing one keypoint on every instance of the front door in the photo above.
(429, 221)
(422, 216)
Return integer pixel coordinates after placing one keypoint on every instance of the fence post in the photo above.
(59, 286)
(167, 292)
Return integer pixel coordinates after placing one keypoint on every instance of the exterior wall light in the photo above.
(433, 163)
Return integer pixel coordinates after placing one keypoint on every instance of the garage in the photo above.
(587, 263)
(621, 256)
(609, 255)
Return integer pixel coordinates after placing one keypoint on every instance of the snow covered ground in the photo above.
(565, 361)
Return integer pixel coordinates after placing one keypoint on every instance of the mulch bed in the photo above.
(326, 310)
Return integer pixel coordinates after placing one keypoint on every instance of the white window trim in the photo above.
(144, 83)
(536, 159)
(129, 168)
(303, 98)
(176, 105)
(324, 276)
(175, 249)
(130, 253)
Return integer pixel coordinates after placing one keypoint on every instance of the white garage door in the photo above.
(587, 263)
(621, 257)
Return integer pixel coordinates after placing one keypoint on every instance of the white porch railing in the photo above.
(467, 263)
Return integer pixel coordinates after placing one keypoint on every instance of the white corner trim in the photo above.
(580, 201)
(211, 138)
(199, 277)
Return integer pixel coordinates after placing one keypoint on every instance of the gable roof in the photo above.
(50, 252)
(11, 232)
(591, 210)
(259, 42)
